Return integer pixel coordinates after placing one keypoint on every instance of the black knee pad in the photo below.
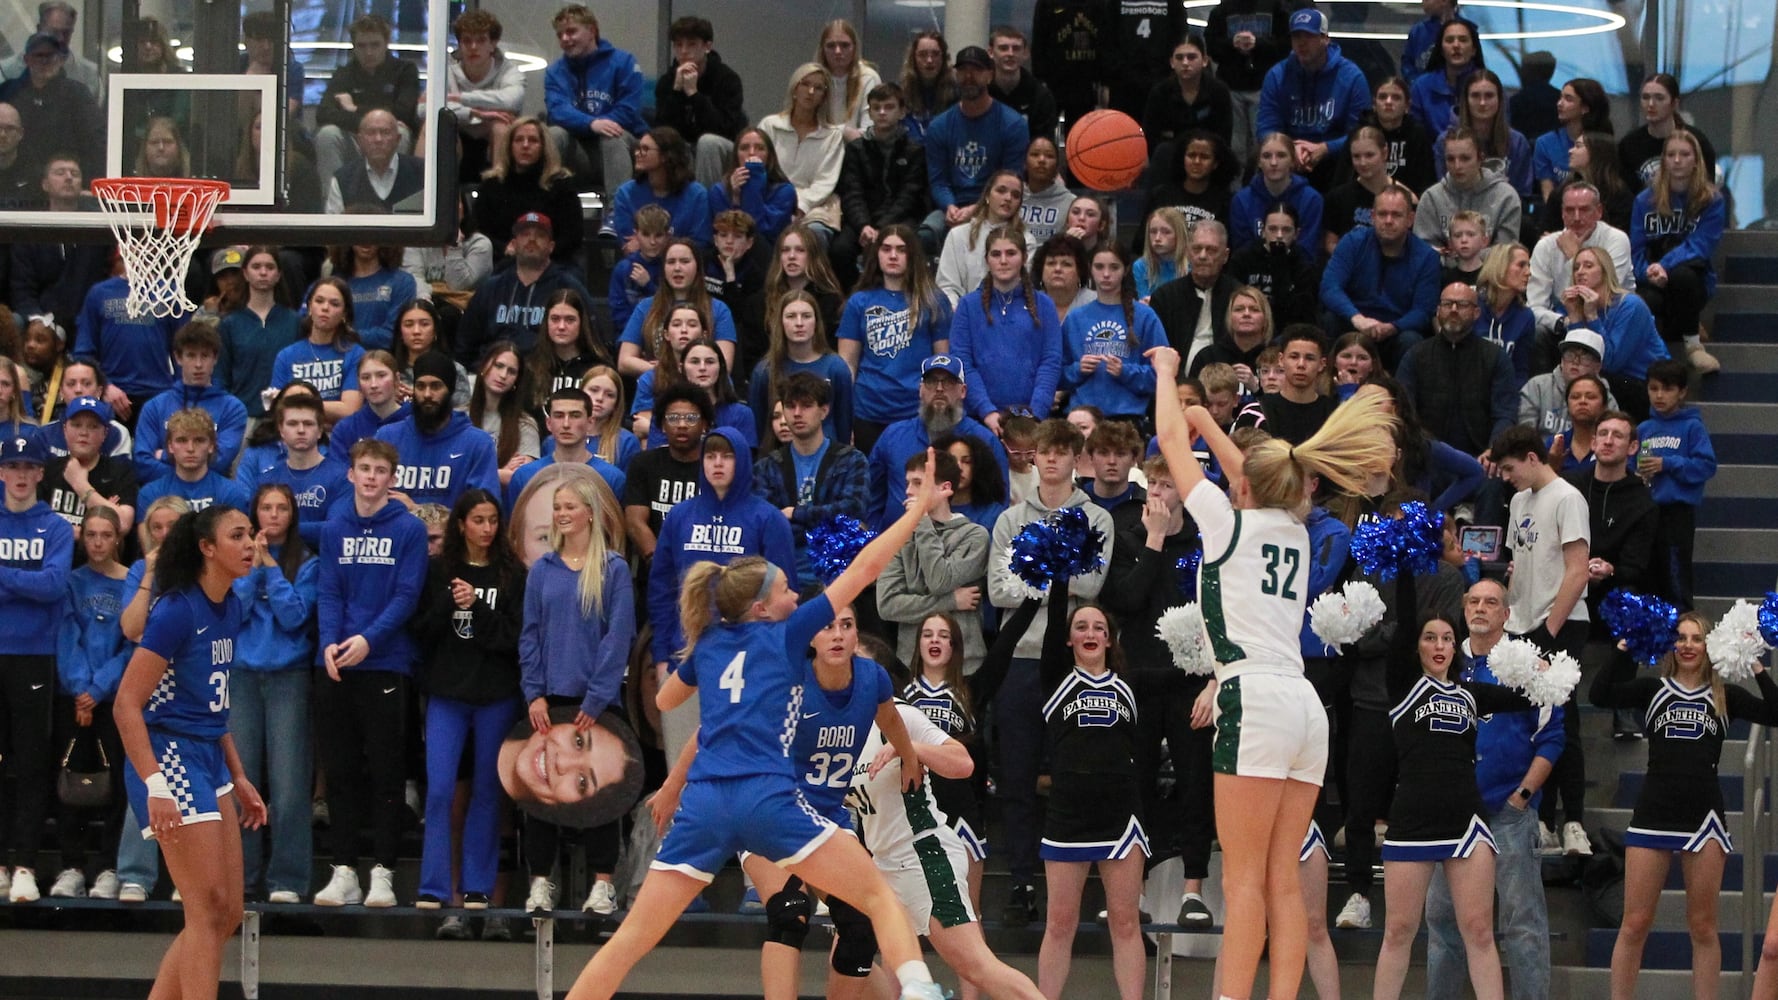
(787, 915)
(855, 943)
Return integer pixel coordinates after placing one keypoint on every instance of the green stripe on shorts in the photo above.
(1225, 755)
(941, 883)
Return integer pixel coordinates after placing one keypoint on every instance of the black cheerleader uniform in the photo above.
(1437, 811)
(956, 797)
(1095, 802)
(1680, 807)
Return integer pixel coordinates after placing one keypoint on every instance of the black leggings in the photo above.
(1370, 783)
(72, 826)
(361, 725)
(1184, 823)
(1678, 306)
(543, 842)
(27, 691)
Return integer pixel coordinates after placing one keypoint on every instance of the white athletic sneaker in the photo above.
(1703, 360)
(543, 896)
(602, 900)
(922, 991)
(1547, 841)
(1356, 914)
(1574, 840)
(70, 884)
(130, 892)
(382, 888)
(342, 889)
(284, 897)
(24, 886)
(105, 886)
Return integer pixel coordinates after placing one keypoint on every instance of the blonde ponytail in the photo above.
(1356, 443)
(712, 590)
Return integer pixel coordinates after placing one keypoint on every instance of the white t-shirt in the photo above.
(1253, 585)
(1540, 523)
(889, 820)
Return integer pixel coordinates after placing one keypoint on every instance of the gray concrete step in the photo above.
(1740, 418)
(1578, 981)
(1743, 545)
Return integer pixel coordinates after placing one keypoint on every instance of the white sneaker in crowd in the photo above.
(1575, 842)
(69, 884)
(1356, 914)
(342, 889)
(382, 888)
(601, 900)
(130, 892)
(284, 897)
(24, 886)
(1702, 360)
(105, 886)
(542, 898)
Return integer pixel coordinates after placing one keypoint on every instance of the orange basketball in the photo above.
(1106, 150)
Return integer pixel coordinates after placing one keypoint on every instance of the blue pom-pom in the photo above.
(834, 543)
(1062, 544)
(1768, 619)
(1384, 546)
(1645, 624)
(1187, 568)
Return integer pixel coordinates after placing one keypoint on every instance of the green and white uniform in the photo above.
(1253, 589)
(912, 842)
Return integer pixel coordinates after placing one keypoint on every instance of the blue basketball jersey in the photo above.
(750, 678)
(833, 729)
(197, 638)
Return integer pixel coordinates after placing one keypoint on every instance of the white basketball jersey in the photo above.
(887, 819)
(1253, 584)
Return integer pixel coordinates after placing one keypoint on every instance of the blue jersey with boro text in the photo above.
(832, 732)
(197, 639)
(750, 678)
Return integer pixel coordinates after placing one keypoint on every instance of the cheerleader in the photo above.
(1687, 710)
(185, 777)
(1270, 753)
(1436, 815)
(742, 791)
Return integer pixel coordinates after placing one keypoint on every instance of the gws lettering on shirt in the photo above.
(886, 331)
(21, 550)
(1445, 713)
(409, 478)
(1672, 224)
(1096, 710)
(367, 550)
(325, 376)
(723, 538)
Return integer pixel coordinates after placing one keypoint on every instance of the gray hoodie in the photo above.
(1493, 197)
(923, 578)
(1045, 212)
(1006, 590)
(1543, 403)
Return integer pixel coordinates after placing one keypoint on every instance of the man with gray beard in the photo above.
(941, 412)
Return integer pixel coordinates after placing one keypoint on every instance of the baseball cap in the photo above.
(1587, 339)
(23, 448)
(973, 55)
(87, 404)
(45, 38)
(534, 219)
(1312, 21)
(943, 363)
(226, 258)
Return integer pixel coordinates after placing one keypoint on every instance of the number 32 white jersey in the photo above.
(1253, 584)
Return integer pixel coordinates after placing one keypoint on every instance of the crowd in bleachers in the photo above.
(802, 304)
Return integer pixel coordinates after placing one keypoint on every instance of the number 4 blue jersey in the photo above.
(750, 682)
(831, 735)
(197, 638)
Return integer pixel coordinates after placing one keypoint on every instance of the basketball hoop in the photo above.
(157, 222)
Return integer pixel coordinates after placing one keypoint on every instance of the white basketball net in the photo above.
(157, 222)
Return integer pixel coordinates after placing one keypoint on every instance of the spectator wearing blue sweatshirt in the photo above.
(136, 354)
(1423, 37)
(723, 522)
(799, 344)
(1104, 343)
(1316, 96)
(663, 177)
(637, 275)
(1433, 94)
(570, 427)
(943, 396)
(253, 335)
(379, 289)
(699, 364)
(373, 567)
(36, 549)
(1505, 318)
(682, 280)
(442, 453)
(894, 321)
(1382, 280)
(1676, 226)
(1581, 107)
(968, 142)
(1008, 337)
(1632, 343)
(269, 691)
(1275, 183)
(317, 480)
(1678, 459)
(91, 653)
(754, 182)
(81, 376)
(191, 442)
(196, 346)
(1481, 110)
(593, 95)
(379, 385)
(327, 356)
(812, 477)
(574, 649)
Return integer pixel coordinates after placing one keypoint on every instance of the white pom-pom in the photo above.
(1364, 603)
(1735, 644)
(1551, 683)
(1182, 629)
(1513, 661)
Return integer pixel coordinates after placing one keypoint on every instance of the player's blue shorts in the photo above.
(196, 773)
(764, 814)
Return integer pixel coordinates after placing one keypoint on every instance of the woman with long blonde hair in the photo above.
(1271, 740)
(811, 146)
(850, 75)
(604, 388)
(1676, 227)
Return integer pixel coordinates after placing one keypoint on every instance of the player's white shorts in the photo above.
(939, 888)
(1270, 725)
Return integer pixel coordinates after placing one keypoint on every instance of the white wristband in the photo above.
(157, 786)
